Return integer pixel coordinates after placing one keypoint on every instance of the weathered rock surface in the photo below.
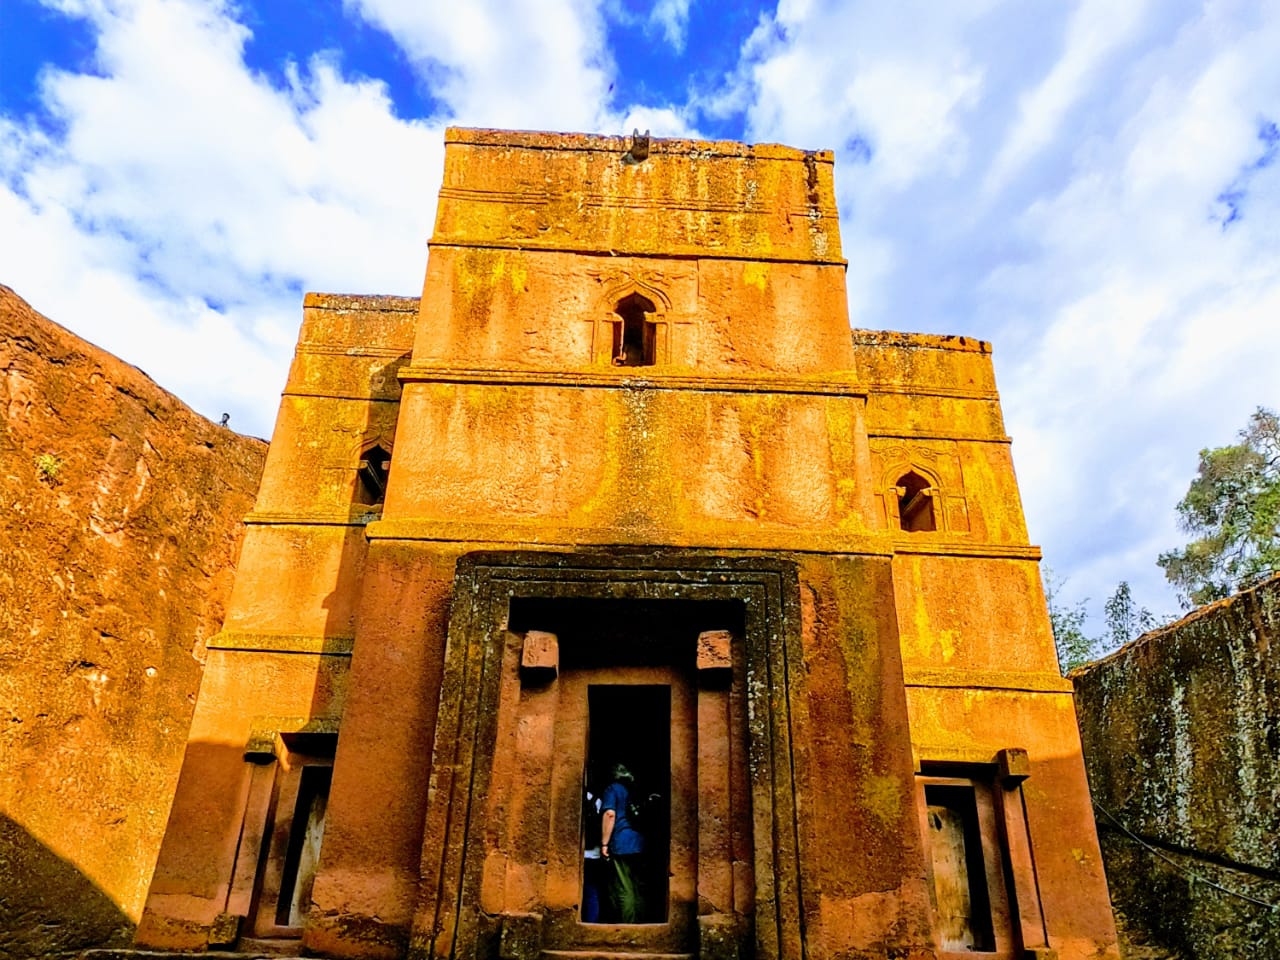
(1181, 732)
(120, 524)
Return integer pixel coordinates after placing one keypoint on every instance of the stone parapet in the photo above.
(570, 192)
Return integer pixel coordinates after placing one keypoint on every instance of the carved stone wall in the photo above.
(638, 376)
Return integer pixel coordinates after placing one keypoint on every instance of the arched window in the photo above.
(634, 335)
(915, 503)
(371, 486)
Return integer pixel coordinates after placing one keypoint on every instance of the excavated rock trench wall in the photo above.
(1181, 732)
(120, 524)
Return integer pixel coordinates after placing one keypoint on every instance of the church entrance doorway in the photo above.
(560, 670)
(624, 760)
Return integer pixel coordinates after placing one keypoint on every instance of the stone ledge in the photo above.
(946, 545)
(364, 302)
(282, 643)
(918, 341)
(538, 140)
(835, 384)
(539, 534)
(987, 680)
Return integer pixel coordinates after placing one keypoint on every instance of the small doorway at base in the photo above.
(627, 784)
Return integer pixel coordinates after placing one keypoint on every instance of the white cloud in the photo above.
(1158, 320)
(187, 202)
(659, 121)
(672, 17)
(815, 76)
(1096, 30)
(1055, 182)
(506, 63)
(184, 202)
(1058, 180)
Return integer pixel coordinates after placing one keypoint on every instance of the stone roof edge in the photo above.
(1152, 636)
(920, 341)
(379, 302)
(547, 140)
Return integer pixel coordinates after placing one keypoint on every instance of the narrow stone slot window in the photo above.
(915, 503)
(290, 853)
(371, 487)
(959, 871)
(303, 853)
(634, 336)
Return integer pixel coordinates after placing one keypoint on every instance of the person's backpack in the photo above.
(640, 812)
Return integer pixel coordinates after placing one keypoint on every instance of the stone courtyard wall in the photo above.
(1181, 733)
(120, 523)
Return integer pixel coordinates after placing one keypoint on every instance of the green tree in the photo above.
(1125, 619)
(1074, 648)
(1232, 509)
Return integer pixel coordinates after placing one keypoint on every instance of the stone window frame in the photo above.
(608, 320)
(267, 750)
(1006, 838)
(892, 496)
(363, 487)
(484, 585)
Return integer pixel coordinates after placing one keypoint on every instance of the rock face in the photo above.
(120, 525)
(1181, 732)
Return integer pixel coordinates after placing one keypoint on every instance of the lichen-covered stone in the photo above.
(1181, 733)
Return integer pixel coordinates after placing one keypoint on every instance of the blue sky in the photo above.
(1090, 185)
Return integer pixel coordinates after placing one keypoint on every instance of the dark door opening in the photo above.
(303, 853)
(628, 756)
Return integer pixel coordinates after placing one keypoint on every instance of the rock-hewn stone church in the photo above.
(623, 488)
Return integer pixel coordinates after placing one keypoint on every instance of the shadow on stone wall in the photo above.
(118, 543)
(55, 907)
(1181, 731)
(1161, 906)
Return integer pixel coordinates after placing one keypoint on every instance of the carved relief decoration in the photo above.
(616, 287)
(899, 459)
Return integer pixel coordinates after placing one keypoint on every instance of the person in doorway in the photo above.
(621, 845)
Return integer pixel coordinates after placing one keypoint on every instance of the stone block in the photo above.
(521, 937)
(225, 930)
(719, 936)
(1015, 766)
(540, 657)
(715, 653)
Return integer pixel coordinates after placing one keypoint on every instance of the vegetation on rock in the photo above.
(48, 466)
(1124, 620)
(1075, 648)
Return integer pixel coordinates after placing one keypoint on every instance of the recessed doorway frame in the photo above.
(447, 922)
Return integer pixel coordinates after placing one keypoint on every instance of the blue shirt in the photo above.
(625, 838)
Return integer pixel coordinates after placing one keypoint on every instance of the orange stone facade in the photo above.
(625, 454)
